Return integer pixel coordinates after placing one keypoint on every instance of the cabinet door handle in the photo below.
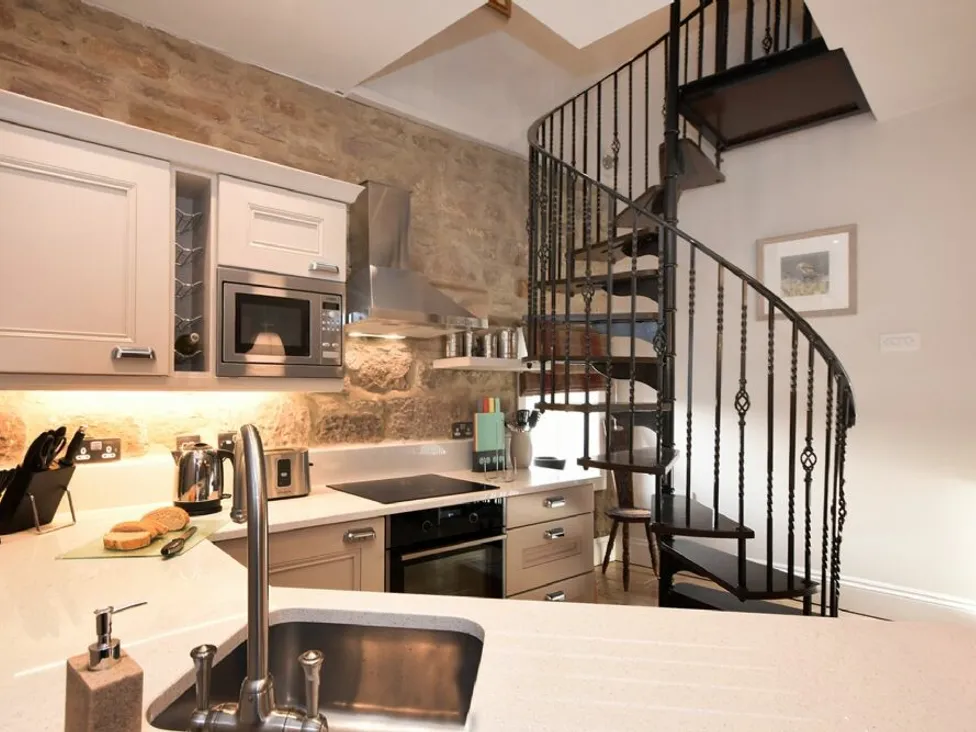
(323, 267)
(120, 352)
(555, 502)
(558, 533)
(557, 596)
(356, 535)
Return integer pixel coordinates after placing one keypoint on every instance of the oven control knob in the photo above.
(473, 518)
(426, 526)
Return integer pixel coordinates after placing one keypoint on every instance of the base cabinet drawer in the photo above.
(574, 589)
(541, 554)
(349, 556)
(549, 505)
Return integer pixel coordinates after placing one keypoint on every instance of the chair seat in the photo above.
(629, 515)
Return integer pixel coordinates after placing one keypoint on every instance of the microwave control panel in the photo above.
(332, 329)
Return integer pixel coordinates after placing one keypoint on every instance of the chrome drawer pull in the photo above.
(557, 533)
(323, 267)
(120, 352)
(557, 596)
(356, 535)
(556, 502)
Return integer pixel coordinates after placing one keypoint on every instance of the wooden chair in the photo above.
(625, 513)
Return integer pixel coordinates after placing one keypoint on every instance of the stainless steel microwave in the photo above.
(278, 325)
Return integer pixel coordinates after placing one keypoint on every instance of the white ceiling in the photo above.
(331, 44)
(582, 22)
(907, 55)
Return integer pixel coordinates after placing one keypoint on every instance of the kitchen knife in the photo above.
(72, 450)
(175, 546)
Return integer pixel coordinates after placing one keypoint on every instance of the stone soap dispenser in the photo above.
(103, 690)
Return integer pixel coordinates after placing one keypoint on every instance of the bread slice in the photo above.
(126, 541)
(155, 528)
(173, 518)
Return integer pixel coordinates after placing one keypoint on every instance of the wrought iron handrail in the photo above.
(818, 342)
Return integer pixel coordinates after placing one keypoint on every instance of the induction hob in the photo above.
(411, 488)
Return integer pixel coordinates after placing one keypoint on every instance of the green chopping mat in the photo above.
(94, 549)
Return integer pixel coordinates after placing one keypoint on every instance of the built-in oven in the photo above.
(277, 325)
(455, 550)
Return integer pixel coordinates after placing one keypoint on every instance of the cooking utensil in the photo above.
(71, 451)
(41, 451)
(174, 547)
(59, 440)
(200, 479)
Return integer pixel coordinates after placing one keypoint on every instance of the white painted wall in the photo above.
(908, 186)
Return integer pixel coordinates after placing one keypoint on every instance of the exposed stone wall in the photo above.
(469, 205)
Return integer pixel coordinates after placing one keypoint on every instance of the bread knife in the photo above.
(175, 546)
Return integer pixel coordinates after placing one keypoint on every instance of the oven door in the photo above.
(470, 568)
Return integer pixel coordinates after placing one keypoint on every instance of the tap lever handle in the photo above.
(203, 657)
(311, 663)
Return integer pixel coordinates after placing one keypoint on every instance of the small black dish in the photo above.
(550, 462)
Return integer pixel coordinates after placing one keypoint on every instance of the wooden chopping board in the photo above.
(94, 549)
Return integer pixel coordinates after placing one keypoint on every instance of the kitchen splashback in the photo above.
(391, 394)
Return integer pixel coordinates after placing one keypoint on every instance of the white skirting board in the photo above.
(600, 548)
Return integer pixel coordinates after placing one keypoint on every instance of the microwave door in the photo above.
(269, 326)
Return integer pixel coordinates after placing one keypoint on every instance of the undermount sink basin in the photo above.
(375, 678)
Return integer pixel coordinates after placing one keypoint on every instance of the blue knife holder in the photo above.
(32, 499)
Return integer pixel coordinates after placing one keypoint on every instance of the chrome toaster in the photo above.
(287, 472)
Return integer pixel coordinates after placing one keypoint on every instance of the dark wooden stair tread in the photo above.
(683, 516)
(688, 595)
(762, 583)
(645, 461)
(810, 83)
(622, 246)
(597, 408)
(618, 283)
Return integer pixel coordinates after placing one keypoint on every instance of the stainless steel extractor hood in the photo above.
(385, 296)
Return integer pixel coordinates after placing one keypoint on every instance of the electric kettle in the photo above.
(200, 479)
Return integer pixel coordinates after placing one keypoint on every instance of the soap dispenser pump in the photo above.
(103, 689)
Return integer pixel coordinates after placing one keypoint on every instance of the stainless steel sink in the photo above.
(374, 679)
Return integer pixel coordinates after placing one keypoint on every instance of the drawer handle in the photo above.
(120, 352)
(555, 502)
(356, 535)
(558, 533)
(557, 596)
(323, 267)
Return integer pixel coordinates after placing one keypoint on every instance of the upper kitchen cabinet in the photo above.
(276, 230)
(85, 254)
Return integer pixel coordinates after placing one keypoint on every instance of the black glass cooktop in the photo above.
(411, 488)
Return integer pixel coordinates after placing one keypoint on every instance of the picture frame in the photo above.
(815, 272)
(502, 6)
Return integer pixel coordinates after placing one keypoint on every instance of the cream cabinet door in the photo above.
(348, 556)
(85, 258)
(274, 230)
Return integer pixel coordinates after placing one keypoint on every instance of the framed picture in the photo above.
(815, 272)
(502, 6)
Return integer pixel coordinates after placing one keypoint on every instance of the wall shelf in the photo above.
(475, 363)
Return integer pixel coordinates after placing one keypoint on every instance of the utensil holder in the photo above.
(32, 499)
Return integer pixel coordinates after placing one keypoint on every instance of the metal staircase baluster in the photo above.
(742, 408)
(565, 252)
(770, 395)
(807, 24)
(554, 214)
(691, 375)
(825, 588)
(843, 420)
(750, 23)
(633, 259)
(789, 21)
(719, 331)
(721, 35)
(778, 25)
(791, 505)
(768, 38)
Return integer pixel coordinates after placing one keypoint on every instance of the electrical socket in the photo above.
(102, 450)
(225, 440)
(462, 430)
(900, 342)
(186, 441)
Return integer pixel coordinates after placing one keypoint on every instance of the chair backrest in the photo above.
(623, 480)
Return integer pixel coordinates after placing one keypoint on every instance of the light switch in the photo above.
(901, 342)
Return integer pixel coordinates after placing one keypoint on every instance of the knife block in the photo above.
(32, 499)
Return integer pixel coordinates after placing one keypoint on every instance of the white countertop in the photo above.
(545, 666)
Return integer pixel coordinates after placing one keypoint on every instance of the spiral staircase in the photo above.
(734, 410)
